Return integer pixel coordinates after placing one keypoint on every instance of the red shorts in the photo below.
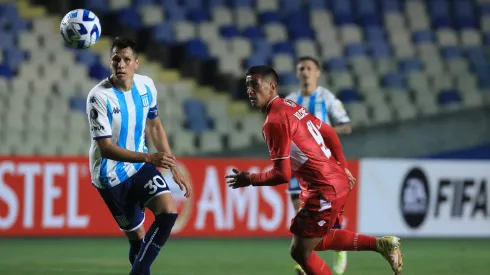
(312, 223)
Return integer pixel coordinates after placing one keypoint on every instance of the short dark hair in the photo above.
(264, 71)
(309, 58)
(121, 43)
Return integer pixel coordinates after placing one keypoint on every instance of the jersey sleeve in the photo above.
(278, 140)
(336, 110)
(99, 121)
(152, 95)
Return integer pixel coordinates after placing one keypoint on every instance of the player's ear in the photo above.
(136, 63)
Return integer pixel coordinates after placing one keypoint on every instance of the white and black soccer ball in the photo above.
(80, 28)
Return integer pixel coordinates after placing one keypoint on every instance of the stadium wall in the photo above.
(52, 196)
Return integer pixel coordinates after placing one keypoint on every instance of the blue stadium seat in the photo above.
(193, 4)
(317, 4)
(484, 9)
(448, 96)
(425, 36)
(78, 103)
(367, 13)
(300, 32)
(268, 17)
(283, 47)
(164, 32)
(450, 52)
(288, 7)
(242, 3)
(349, 95)
(216, 3)
(5, 71)
(7, 40)
(464, 14)
(169, 4)
(175, 14)
(98, 6)
(8, 10)
(393, 80)
(409, 65)
(17, 24)
(229, 31)
(375, 34)
(288, 79)
(138, 3)
(355, 50)
(380, 49)
(336, 64)
(486, 38)
(483, 74)
(197, 48)
(198, 15)
(196, 115)
(299, 18)
(390, 5)
(99, 72)
(88, 58)
(14, 57)
(476, 55)
(255, 59)
(131, 18)
(262, 46)
(342, 10)
(253, 32)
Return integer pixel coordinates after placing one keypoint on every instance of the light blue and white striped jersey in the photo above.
(323, 104)
(120, 116)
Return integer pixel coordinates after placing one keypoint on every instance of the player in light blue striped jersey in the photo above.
(120, 109)
(322, 103)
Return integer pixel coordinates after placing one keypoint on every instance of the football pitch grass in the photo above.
(32, 256)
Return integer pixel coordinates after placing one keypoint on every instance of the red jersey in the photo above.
(310, 147)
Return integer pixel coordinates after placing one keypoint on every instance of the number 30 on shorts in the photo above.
(155, 183)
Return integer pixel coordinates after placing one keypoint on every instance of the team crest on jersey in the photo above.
(290, 102)
(145, 100)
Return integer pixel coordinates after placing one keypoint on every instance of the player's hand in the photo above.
(238, 179)
(163, 160)
(352, 180)
(181, 181)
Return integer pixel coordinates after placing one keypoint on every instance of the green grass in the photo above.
(235, 257)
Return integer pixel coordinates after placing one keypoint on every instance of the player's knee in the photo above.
(163, 204)
(137, 234)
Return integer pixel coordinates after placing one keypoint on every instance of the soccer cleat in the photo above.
(389, 248)
(340, 263)
(299, 270)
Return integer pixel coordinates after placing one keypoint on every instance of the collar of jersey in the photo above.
(270, 102)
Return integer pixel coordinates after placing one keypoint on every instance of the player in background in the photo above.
(302, 144)
(120, 109)
(323, 104)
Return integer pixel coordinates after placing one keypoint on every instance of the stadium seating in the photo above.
(388, 60)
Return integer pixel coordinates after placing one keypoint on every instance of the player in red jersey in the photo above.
(300, 144)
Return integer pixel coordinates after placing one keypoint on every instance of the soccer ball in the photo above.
(80, 28)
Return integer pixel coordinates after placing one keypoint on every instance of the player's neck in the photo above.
(308, 90)
(121, 85)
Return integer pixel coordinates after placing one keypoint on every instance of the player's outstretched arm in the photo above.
(279, 174)
(333, 143)
(343, 129)
(160, 141)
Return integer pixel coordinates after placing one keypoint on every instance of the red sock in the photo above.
(314, 265)
(344, 240)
